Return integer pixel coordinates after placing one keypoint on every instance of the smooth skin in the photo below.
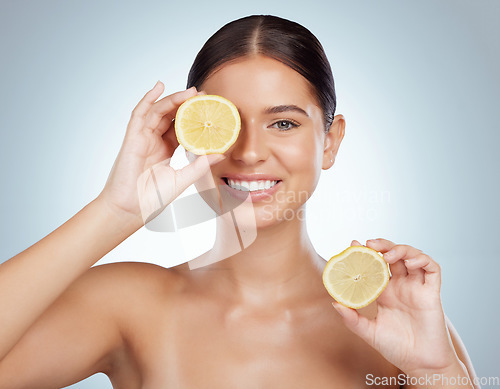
(258, 319)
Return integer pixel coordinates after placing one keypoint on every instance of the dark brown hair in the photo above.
(274, 37)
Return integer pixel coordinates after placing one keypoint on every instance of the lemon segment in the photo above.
(356, 276)
(207, 124)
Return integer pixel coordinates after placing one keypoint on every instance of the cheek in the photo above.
(303, 158)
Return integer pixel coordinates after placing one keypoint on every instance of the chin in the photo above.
(265, 216)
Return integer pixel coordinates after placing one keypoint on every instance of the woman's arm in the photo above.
(461, 351)
(141, 183)
(77, 336)
(33, 279)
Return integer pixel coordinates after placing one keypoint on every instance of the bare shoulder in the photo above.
(120, 271)
(131, 281)
(137, 297)
(98, 313)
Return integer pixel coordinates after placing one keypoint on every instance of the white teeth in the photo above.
(235, 184)
(251, 186)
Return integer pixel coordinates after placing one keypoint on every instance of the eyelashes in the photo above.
(284, 125)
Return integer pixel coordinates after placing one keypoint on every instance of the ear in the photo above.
(332, 141)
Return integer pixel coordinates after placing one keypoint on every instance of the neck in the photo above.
(278, 265)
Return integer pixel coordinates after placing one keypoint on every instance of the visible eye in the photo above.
(284, 125)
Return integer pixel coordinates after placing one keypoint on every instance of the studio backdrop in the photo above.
(417, 82)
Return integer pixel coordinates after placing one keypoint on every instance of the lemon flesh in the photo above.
(207, 124)
(356, 276)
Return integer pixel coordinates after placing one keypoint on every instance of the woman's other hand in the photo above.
(410, 329)
(142, 182)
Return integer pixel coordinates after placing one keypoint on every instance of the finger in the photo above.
(144, 105)
(357, 323)
(396, 256)
(401, 251)
(167, 107)
(191, 173)
(165, 124)
(380, 244)
(398, 269)
(427, 266)
(167, 129)
(414, 270)
(202, 93)
(355, 243)
(170, 138)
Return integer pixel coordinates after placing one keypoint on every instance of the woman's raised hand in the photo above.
(142, 182)
(141, 175)
(410, 329)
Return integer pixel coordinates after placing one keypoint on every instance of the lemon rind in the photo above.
(341, 256)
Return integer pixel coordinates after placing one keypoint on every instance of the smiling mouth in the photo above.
(250, 186)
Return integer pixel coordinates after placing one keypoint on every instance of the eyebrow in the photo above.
(285, 108)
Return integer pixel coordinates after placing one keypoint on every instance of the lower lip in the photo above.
(255, 196)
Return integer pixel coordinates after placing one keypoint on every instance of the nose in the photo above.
(250, 148)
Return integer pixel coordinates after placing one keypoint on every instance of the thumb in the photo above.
(191, 173)
(359, 324)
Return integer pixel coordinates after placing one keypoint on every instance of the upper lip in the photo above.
(251, 177)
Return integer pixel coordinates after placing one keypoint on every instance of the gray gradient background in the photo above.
(417, 82)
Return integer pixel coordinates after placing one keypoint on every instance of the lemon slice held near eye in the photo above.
(356, 276)
(207, 124)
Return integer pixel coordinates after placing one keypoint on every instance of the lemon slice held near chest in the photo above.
(207, 124)
(356, 276)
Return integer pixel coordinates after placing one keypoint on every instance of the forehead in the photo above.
(260, 80)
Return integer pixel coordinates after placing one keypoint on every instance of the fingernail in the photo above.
(337, 309)
(389, 254)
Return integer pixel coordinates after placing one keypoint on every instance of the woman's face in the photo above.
(282, 138)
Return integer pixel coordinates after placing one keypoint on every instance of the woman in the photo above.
(240, 316)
